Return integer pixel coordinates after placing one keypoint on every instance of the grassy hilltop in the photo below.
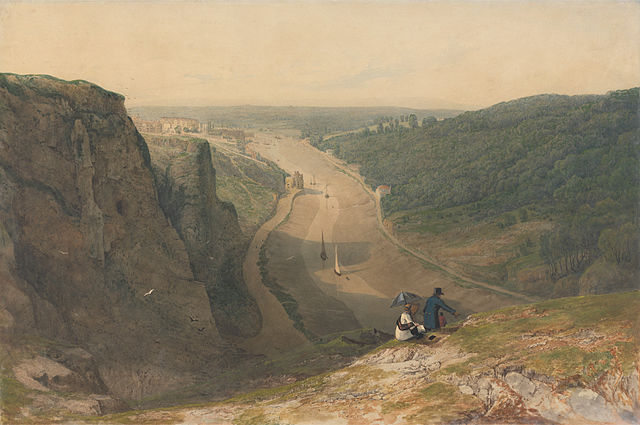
(537, 194)
(565, 360)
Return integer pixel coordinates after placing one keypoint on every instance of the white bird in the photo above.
(63, 252)
(149, 293)
(291, 258)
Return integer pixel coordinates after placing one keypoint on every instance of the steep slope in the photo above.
(209, 228)
(253, 187)
(88, 260)
(571, 360)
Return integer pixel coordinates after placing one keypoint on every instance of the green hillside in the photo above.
(253, 187)
(505, 334)
(567, 167)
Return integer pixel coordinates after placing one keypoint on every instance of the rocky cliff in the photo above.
(93, 277)
(209, 228)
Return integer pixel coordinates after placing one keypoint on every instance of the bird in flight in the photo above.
(150, 292)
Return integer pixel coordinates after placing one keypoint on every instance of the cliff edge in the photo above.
(92, 275)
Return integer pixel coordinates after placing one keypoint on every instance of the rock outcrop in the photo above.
(209, 228)
(87, 257)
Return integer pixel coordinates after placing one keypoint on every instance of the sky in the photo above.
(425, 54)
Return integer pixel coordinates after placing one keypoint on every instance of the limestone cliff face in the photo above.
(209, 228)
(83, 239)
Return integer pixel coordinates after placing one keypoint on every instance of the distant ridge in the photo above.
(324, 119)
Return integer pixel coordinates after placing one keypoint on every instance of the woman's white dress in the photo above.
(405, 335)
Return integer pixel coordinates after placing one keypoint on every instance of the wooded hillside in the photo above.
(571, 160)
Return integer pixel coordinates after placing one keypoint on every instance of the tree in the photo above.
(509, 220)
(427, 121)
(524, 215)
(413, 121)
(620, 245)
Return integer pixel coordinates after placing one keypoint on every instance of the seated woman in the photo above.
(406, 327)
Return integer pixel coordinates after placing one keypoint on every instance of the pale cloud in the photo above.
(360, 79)
(201, 77)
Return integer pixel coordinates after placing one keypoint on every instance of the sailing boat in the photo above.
(336, 268)
(323, 253)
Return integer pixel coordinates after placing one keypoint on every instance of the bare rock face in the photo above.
(209, 228)
(83, 239)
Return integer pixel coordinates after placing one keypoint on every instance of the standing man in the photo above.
(432, 308)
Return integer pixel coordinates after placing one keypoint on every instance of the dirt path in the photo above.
(341, 165)
(277, 334)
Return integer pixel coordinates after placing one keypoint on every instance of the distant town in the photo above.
(180, 125)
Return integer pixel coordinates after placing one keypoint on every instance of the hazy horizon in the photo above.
(381, 106)
(415, 54)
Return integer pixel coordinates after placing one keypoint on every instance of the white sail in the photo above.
(336, 268)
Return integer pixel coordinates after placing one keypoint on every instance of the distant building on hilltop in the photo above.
(383, 190)
(169, 125)
(145, 126)
(296, 181)
(176, 125)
